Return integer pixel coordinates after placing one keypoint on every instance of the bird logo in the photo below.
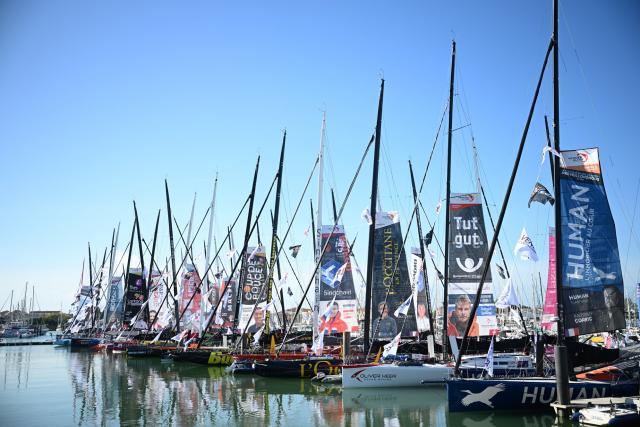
(484, 396)
(604, 276)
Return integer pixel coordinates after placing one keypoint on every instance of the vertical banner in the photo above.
(157, 293)
(390, 280)
(113, 306)
(419, 285)
(468, 251)
(638, 304)
(550, 309)
(136, 292)
(592, 286)
(255, 278)
(227, 307)
(190, 281)
(336, 284)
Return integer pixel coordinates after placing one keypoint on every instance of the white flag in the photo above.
(524, 248)
(488, 363)
(231, 253)
(548, 149)
(508, 296)
(438, 207)
(257, 335)
(392, 347)
(337, 279)
(254, 252)
(318, 344)
(366, 215)
(282, 281)
(404, 307)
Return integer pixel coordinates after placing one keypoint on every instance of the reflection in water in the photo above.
(84, 388)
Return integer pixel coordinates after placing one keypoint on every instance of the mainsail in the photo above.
(468, 250)
(336, 282)
(391, 282)
(592, 288)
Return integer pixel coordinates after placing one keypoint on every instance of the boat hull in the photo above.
(393, 375)
(301, 368)
(84, 342)
(203, 357)
(524, 394)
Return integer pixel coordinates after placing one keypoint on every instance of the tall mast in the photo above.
(274, 237)
(247, 235)
(112, 258)
(318, 231)
(372, 227)
(562, 374)
(174, 273)
(422, 251)
(90, 285)
(188, 241)
(447, 221)
(126, 273)
(144, 285)
(151, 264)
(207, 256)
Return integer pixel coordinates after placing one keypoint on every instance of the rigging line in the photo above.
(317, 264)
(633, 220)
(582, 74)
(272, 267)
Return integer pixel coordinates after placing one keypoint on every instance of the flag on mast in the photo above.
(488, 363)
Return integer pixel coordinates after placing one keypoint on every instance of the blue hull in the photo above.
(525, 394)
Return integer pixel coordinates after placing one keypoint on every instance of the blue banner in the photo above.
(593, 290)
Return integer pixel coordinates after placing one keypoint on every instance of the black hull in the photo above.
(203, 357)
(302, 368)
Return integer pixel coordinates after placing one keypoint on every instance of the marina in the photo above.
(494, 282)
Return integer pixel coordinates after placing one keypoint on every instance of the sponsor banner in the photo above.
(228, 305)
(593, 290)
(189, 282)
(113, 306)
(255, 277)
(468, 248)
(550, 309)
(638, 302)
(336, 280)
(136, 295)
(157, 293)
(419, 283)
(390, 280)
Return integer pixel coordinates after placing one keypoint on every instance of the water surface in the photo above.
(44, 385)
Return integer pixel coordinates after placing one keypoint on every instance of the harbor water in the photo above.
(45, 385)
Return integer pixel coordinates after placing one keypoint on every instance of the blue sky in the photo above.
(103, 101)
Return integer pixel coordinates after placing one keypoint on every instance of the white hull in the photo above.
(394, 376)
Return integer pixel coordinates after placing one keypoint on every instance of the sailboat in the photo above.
(586, 299)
